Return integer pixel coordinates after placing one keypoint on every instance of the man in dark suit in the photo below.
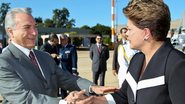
(99, 54)
(52, 47)
(29, 76)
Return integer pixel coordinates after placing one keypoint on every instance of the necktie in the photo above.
(33, 59)
(99, 48)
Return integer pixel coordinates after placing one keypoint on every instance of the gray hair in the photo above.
(10, 16)
(63, 36)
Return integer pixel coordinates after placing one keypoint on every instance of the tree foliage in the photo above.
(48, 23)
(85, 27)
(61, 18)
(3, 10)
(101, 29)
(39, 21)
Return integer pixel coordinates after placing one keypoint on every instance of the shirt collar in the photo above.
(124, 41)
(26, 51)
(98, 44)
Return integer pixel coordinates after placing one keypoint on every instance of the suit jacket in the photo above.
(163, 81)
(69, 58)
(99, 59)
(22, 83)
(51, 50)
(115, 65)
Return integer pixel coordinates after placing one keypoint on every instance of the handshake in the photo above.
(79, 97)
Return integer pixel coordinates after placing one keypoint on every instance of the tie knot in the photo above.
(33, 59)
(31, 55)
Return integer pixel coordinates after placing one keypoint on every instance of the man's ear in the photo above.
(10, 32)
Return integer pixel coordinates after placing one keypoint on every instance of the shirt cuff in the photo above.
(110, 99)
(74, 68)
(62, 102)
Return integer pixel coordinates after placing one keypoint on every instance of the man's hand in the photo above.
(78, 97)
(99, 100)
(114, 72)
(103, 89)
(54, 55)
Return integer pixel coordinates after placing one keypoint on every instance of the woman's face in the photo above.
(135, 36)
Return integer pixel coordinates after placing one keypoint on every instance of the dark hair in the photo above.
(152, 14)
(52, 36)
(99, 35)
(124, 28)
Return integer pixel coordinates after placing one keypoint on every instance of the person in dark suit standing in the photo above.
(29, 76)
(52, 47)
(68, 55)
(156, 74)
(99, 54)
(122, 56)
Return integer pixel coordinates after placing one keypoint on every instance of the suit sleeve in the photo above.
(120, 96)
(13, 90)
(91, 52)
(107, 53)
(115, 59)
(176, 80)
(74, 57)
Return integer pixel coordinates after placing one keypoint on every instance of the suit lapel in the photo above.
(153, 66)
(25, 61)
(43, 65)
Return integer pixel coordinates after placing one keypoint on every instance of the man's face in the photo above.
(123, 34)
(64, 41)
(98, 39)
(54, 42)
(25, 31)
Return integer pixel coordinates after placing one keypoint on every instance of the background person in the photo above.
(68, 58)
(122, 56)
(51, 47)
(68, 55)
(99, 54)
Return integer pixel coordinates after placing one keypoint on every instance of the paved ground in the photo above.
(84, 68)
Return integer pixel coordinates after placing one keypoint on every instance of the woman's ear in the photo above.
(147, 33)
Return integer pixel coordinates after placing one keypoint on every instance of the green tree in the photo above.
(70, 24)
(85, 27)
(48, 23)
(77, 41)
(61, 18)
(101, 29)
(39, 21)
(3, 10)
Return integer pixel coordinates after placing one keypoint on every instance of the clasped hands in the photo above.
(79, 97)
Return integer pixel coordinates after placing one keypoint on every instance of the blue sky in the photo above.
(88, 12)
